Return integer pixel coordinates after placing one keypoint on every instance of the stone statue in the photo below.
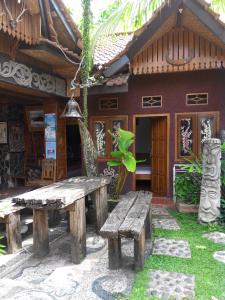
(209, 208)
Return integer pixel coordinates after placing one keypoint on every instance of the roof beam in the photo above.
(44, 19)
(146, 35)
(206, 18)
(64, 20)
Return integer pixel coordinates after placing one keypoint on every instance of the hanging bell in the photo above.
(72, 110)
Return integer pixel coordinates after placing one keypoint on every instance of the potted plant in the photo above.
(188, 186)
(122, 158)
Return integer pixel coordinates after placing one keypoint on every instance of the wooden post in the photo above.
(40, 232)
(13, 232)
(78, 230)
(139, 251)
(114, 253)
(101, 206)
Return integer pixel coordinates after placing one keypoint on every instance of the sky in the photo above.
(97, 7)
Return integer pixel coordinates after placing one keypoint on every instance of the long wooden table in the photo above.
(70, 195)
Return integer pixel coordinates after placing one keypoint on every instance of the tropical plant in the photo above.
(85, 67)
(122, 158)
(2, 247)
(188, 187)
(188, 184)
(129, 15)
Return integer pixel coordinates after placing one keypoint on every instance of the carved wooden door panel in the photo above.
(159, 156)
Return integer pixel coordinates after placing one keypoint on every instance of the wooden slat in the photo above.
(135, 220)
(116, 218)
(61, 194)
(180, 44)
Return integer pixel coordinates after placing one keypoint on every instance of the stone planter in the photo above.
(186, 208)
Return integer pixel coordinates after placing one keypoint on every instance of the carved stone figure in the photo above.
(209, 208)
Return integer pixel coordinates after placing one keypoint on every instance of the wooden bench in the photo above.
(10, 216)
(131, 218)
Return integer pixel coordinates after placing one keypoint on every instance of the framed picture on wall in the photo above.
(35, 118)
(3, 133)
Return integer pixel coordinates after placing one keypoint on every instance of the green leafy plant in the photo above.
(2, 247)
(188, 187)
(122, 158)
(188, 184)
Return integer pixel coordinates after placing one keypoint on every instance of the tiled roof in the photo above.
(109, 48)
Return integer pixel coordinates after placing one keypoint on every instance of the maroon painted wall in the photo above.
(173, 87)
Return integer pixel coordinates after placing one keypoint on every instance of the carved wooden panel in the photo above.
(178, 50)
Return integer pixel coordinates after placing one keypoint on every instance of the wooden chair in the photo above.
(48, 174)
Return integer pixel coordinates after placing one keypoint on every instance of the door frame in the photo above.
(167, 115)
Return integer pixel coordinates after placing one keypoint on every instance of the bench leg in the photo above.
(139, 251)
(148, 225)
(114, 253)
(78, 231)
(13, 232)
(101, 206)
(40, 232)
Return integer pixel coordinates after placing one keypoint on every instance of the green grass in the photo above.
(209, 273)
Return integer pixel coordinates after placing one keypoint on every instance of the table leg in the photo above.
(40, 232)
(78, 230)
(101, 206)
(13, 234)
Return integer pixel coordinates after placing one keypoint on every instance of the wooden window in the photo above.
(192, 129)
(108, 103)
(102, 139)
(197, 99)
(151, 101)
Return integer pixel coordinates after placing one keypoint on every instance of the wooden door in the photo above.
(159, 156)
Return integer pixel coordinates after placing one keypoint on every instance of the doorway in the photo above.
(73, 142)
(152, 147)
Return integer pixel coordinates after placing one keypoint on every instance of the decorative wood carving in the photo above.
(13, 72)
(27, 29)
(180, 61)
(13, 21)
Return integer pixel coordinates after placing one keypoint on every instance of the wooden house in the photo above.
(166, 83)
(40, 48)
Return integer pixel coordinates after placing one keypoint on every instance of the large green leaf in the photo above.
(126, 135)
(116, 154)
(114, 163)
(130, 163)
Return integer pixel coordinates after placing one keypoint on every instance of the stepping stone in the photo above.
(158, 211)
(220, 256)
(170, 224)
(170, 285)
(216, 236)
(171, 247)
